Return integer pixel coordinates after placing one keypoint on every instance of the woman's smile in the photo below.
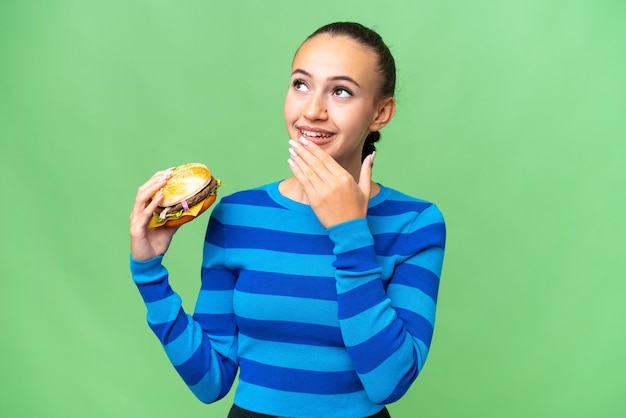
(317, 135)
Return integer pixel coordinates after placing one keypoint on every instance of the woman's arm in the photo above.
(206, 363)
(388, 332)
(204, 359)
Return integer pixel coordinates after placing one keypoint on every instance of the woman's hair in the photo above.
(386, 65)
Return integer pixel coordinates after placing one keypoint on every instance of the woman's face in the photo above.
(332, 100)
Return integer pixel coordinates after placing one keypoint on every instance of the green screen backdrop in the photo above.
(510, 117)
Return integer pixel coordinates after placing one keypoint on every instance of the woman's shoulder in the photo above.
(402, 212)
(390, 201)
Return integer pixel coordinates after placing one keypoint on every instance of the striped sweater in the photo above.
(319, 322)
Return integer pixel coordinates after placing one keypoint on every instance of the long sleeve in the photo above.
(202, 350)
(387, 322)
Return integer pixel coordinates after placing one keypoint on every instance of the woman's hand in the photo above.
(146, 243)
(332, 192)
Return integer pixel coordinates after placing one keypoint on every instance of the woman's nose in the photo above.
(316, 108)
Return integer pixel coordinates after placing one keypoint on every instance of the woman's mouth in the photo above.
(319, 137)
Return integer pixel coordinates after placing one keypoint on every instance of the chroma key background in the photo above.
(510, 117)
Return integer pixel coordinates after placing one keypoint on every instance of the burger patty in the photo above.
(208, 190)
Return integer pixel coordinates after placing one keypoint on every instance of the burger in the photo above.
(190, 190)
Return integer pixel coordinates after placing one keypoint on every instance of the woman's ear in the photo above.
(386, 109)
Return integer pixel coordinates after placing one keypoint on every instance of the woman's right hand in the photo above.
(146, 243)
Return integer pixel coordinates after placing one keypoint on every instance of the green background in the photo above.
(510, 117)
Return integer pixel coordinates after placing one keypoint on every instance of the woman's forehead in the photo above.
(335, 55)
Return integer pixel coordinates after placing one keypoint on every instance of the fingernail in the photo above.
(304, 141)
(290, 161)
(292, 152)
(293, 143)
(373, 156)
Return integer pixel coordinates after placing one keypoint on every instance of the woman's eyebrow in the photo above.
(336, 78)
(345, 78)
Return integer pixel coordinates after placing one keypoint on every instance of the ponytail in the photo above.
(368, 146)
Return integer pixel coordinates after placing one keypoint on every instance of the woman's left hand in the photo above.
(332, 192)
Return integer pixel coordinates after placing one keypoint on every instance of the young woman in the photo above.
(319, 289)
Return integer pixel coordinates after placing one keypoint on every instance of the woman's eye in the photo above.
(299, 85)
(342, 92)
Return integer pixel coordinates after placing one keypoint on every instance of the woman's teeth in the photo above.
(314, 134)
